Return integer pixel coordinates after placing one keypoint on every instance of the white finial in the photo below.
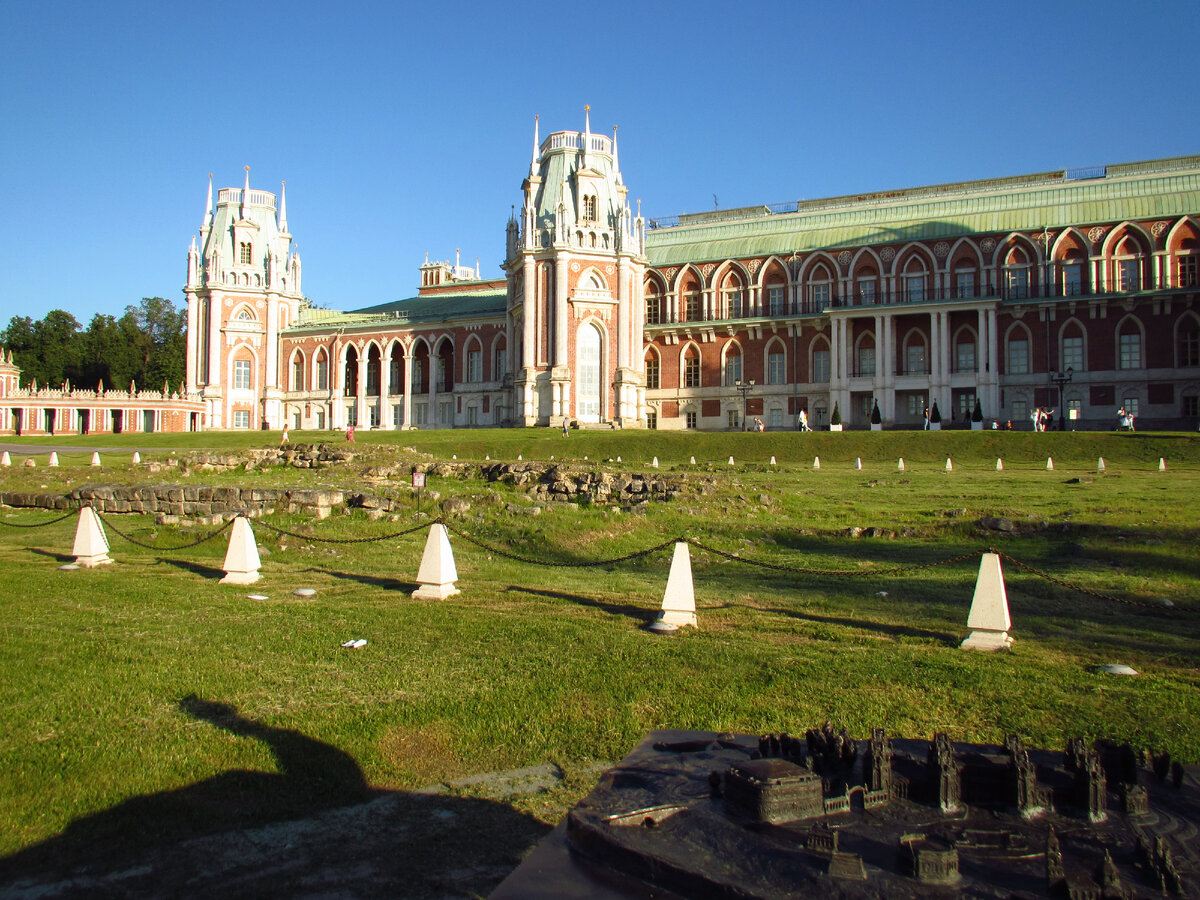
(245, 192)
(587, 133)
(283, 206)
(457, 253)
(477, 269)
(206, 222)
(616, 162)
(533, 165)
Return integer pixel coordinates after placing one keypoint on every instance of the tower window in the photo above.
(244, 253)
(589, 209)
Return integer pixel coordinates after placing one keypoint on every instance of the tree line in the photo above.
(146, 346)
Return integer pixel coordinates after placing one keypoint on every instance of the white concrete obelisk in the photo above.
(679, 600)
(91, 543)
(989, 620)
(437, 573)
(241, 559)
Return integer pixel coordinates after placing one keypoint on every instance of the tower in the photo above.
(575, 264)
(243, 289)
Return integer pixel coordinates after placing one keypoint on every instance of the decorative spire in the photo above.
(533, 165)
(206, 222)
(616, 163)
(283, 206)
(245, 192)
(477, 269)
(587, 133)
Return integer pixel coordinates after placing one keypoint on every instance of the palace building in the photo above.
(1073, 290)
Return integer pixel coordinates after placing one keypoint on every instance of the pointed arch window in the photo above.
(914, 281)
(1129, 348)
(298, 372)
(1127, 267)
(1187, 265)
(653, 372)
(1189, 342)
(733, 365)
(589, 208)
(653, 307)
(691, 368)
(820, 288)
(244, 253)
(322, 372)
(776, 365)
(1016, 274)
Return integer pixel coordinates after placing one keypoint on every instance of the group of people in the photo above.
(1042, 418)
(1125, 419)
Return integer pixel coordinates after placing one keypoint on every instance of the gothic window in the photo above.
(733, 304)
(298, 373)
(501, 363)
(241, 374)
(964, 357)
(1189, 343)
(653, 316)
(244, 253)
(1072, 353)
(652, 372)
(1016, 275)
(322, 372)
(692, 308)
(776, 367)
(964, 282)
(733, 365)
(775, 300)
(1188, 269)
(915, 360)
(1129, 350)
(474, 365)
(691, 368)
(820, 365)
(244, 315)
(589, 208)
(865, 363)
(1018, 356)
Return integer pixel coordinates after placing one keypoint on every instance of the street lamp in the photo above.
(744, 387)
(1061, 378)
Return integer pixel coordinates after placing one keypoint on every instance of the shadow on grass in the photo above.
(194, 567)
(312, 827)
(638, 614)
(387, 584)
(866, 625)
(57, 557)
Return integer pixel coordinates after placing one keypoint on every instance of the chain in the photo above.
(1070, 585)
(835, 573)
(73, 512)
(637, 554)
(365, 540)
(197, 543)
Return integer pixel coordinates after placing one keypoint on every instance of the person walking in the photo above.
(565, 432)
(283, 441)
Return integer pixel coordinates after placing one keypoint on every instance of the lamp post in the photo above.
(744, 387)
(1060, 379)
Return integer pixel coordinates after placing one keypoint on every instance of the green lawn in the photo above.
(105, 670)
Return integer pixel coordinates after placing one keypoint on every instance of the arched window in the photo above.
(691, 367)
(1016, 274)
(298, 372)
(916, 354)
(322, 370)
(733, 363)
(1127, 267)
(653, 373)
(245, 315)
(1072, 349)
(374, 364)
(244, 253)
(653, 305)
(864, 356)
(1187, 264)
(589, 211)
(820, 288)
(1129, 345)
(915, 283)
(1189, 341)
(866, 285)
(1017, 360)
(351, 372)
(776, 363)
(965, 354)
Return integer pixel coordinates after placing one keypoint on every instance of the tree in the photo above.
(161, 340)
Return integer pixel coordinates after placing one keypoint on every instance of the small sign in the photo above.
(418, 479)
(1073, 414)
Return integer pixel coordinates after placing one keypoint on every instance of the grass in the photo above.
(534, 664)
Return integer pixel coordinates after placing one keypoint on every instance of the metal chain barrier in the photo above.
(637, 554)
(1071, 586)
(73, 512)
(364, 540)
(836, 573)
(109, 526)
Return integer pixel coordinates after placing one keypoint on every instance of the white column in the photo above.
(625, 315)
(560, 310)
(272, 314)
(213, 328)
(406, 422)
(528, 342)
(360, 402)
(835, 352)
(431, 412)
(385, 378)
(193, 344)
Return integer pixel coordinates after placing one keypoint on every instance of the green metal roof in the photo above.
(442, 307)
(1132, 191)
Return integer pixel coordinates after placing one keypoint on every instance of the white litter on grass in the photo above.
(257, 597)
(355, 644)
(69, 567)
(305, 592)
(1116, 669)
(881, 593)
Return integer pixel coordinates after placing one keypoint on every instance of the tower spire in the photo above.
(587, 133)
(533, 165)
(283, 206)
(245, 192)
(206, 222)
(616, 163)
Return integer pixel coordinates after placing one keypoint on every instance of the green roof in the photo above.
(472, 304)
(1164, 188)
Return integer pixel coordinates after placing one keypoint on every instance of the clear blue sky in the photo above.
(406, 128)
